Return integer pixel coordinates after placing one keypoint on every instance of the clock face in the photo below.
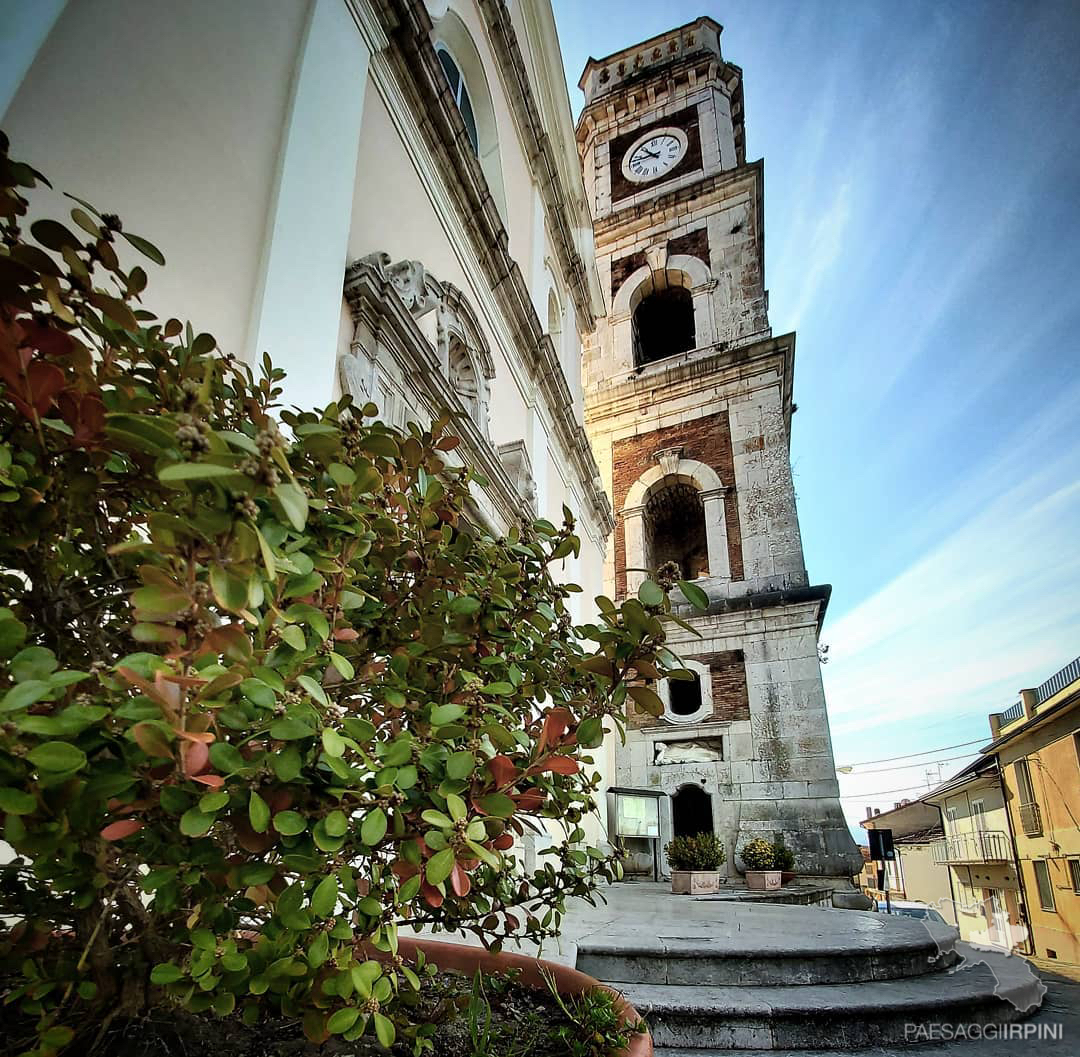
(655, 154)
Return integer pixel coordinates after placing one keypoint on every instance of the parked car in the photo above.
(912, 910)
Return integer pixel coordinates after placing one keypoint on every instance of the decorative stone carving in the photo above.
(669, 460)
(515, 457)
(707, 750)
(419, 291)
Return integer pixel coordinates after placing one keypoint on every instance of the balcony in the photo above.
(1031, 819)
(987, 845)
(1058, 681)
(1010, 715)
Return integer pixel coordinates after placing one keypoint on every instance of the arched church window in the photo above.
(685, 695)
(663, 324)
(675, 527)
(464, 379)
(460, 92)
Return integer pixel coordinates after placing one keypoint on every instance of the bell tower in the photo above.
(688, 406)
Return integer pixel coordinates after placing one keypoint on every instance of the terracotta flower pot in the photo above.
(762, 880)
(695, 882)
(465, 959)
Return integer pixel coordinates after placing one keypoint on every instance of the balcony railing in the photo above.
(1058, 681)
(1031, 819)
(1010, 715)
(987, 845)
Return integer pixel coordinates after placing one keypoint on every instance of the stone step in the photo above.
(897, 950)
(987, 988)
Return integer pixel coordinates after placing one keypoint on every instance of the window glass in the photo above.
(460, 93)
(1074, 875)
(1042, 882)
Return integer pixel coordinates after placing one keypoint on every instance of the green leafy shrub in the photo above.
(783, 856)
(266, 696)
(759, 855)
(705, 851)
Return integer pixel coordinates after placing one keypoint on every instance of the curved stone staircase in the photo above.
(791, 978)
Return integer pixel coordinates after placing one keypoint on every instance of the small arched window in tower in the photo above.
(460, 93)
(663, 324)
(675, 527)
(685, 695)
(465, 381)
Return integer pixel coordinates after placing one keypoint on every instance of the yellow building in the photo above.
(1037, 748)
(977, 849)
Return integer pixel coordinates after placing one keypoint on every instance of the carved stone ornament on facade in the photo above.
(419, 291)
(669, 460)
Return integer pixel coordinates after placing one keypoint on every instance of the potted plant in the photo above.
(695, 863)
(784, 859)
(266, 697)
(759, 858)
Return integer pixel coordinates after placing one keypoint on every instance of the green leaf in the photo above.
(439, 866)
(694, 595)
(16, 802)
(460, 765)
(194, 823)
(647, 700)
(293, 636)
(384, 1031)
(313, 689)
(325, 896)
(231, 592)
(166, 973)
(258, 812)
(342, 1020)
(442, 714)
(267, 552)
(343, 475)
(457, 807)
(651, 594)
(211, 802)
(294, 502)
(373, 828)
(24, 695)
(289, 728)
(590, 733)
(195, 471)
(336, 823)
(319, 950)
(57, 756)
(498, 804)
(333, 742)
(35, 662)
(147, 249)
(289, 823)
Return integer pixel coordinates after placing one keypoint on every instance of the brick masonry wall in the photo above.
(731, 699)
(708, 440)
(686, 120)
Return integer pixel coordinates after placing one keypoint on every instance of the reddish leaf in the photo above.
(556, 724)
(346, 634)
(459, 881)
(85, 415)
(196, 758)
(503, 841)
(215, 781)
(152, 740)
(560, 765)
(46, 340)
(432, 896)
(121, 829)
(502, 770)
(533, 800)
(248, 839)
(34, 392)
(195, 735)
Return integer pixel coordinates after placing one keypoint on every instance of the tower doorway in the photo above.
(691, 811)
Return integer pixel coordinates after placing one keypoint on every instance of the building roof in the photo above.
(980, 769)
(921, 836)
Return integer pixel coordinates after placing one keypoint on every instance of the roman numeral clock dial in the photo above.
(656, 153)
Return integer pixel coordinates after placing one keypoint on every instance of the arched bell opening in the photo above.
(691, 811)
(675, 526)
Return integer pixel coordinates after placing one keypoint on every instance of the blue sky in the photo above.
(922, 219)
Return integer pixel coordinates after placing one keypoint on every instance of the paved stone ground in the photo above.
(650, 909)
(1060, 1009)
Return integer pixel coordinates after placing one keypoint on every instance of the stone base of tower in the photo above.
(754, 758)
